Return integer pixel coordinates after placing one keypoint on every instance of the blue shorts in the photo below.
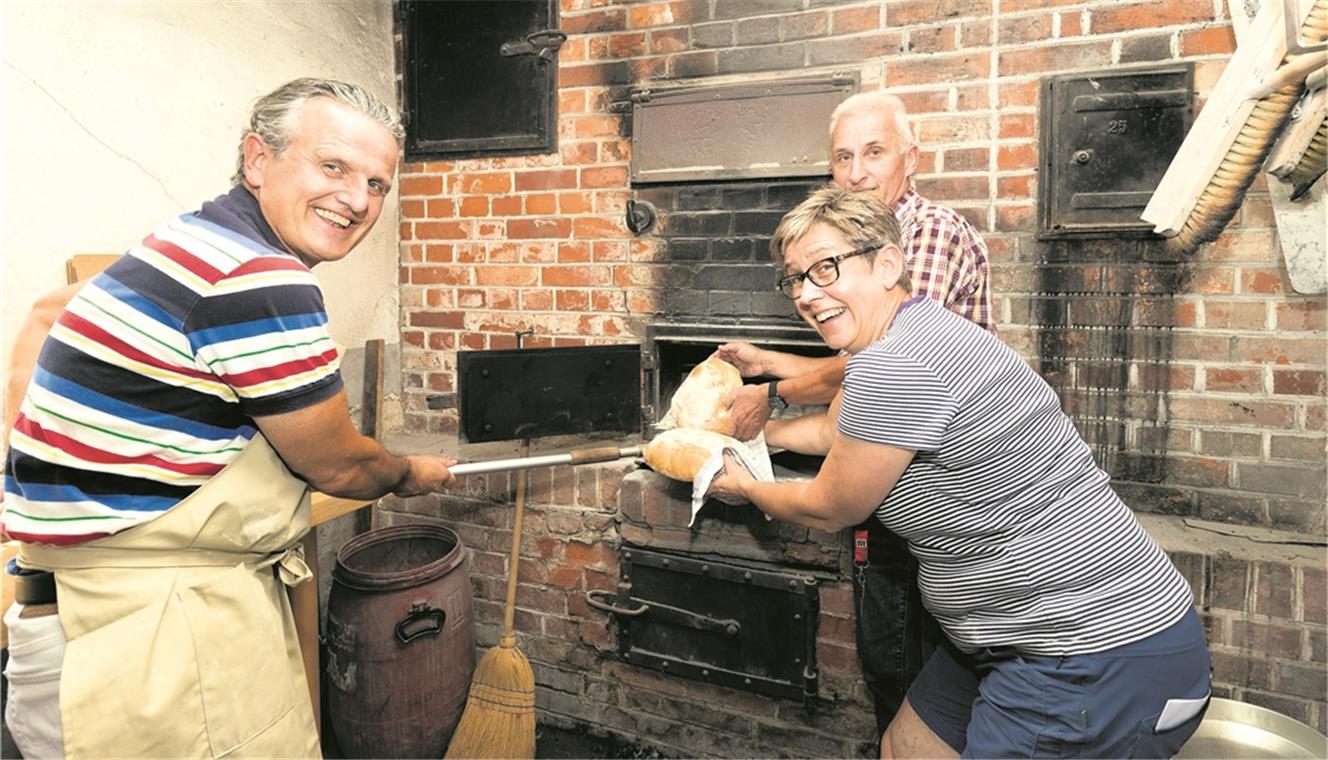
(1000, 703)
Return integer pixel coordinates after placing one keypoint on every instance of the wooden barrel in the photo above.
(400, 642)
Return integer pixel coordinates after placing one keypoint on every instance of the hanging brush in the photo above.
(1219, 199)
(1312, 165)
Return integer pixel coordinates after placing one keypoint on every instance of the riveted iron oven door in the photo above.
(742, 626)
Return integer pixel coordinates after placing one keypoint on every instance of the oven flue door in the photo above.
(742, 626)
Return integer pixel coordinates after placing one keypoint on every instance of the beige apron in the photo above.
(181, 641)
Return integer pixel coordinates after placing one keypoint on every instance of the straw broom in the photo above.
(499, 719)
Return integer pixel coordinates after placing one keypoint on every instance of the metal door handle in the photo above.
(666, 613)
(595, 599)
(544, 43)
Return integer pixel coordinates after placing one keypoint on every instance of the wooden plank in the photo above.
(304, 598)
(327, 508)
(371, 407)
(371, 410)
(7, 597)
(304, 606)
(81, 266)
(1240, 22)
(1218, 123)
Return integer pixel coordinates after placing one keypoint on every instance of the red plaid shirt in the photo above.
(947, 258)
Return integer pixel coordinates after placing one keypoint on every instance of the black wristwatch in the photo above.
(773, 399)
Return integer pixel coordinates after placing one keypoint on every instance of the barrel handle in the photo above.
(419, 611)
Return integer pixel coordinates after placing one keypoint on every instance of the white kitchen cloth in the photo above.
(754, 456)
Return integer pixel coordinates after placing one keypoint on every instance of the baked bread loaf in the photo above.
(679, 453)
(699, 401)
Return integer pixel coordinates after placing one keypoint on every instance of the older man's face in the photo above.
(325, 191)
(866, 154)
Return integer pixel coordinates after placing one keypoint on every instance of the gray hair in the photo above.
(860, 217)
(875, 99)
(273, 116)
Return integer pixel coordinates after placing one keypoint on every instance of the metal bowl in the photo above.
(1234, 729)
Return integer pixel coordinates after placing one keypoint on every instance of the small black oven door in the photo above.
(743, 625)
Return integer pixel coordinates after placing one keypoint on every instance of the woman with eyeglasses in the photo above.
(1070, 633)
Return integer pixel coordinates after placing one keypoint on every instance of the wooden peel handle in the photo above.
(603, 454)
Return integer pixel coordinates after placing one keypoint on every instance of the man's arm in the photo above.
(749, 404)
(752, 361)
(23, 356)
(320, 444)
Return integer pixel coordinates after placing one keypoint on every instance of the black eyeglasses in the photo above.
(823, 273)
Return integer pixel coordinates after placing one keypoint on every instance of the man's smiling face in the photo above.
(324, 192)
(867, 154)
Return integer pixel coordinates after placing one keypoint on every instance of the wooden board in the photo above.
(82, 266)
(371, 400)
(1257, 56)
(327, 508)
(10, 551)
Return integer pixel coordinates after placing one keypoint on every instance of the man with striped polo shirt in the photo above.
(872, 150)
(179, 410)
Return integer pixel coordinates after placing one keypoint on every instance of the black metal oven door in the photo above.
(743, 626)
(535, 392)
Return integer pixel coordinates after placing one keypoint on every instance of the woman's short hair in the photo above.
(861, 218)
(273, 116)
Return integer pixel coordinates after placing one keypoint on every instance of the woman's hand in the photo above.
(731, 483)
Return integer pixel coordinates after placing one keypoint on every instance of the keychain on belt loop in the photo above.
(860, 558)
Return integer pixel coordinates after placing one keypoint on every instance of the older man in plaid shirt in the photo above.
(872, 150)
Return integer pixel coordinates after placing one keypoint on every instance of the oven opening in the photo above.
(672, 350)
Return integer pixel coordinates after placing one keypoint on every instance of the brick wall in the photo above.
(1200, 381)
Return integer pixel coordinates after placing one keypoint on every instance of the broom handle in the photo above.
(509, 612)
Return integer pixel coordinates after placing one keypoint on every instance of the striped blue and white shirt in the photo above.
(1020, 539)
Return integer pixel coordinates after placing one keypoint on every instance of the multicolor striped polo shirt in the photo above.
(148, 383)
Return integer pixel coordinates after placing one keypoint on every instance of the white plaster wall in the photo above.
(119, 115)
